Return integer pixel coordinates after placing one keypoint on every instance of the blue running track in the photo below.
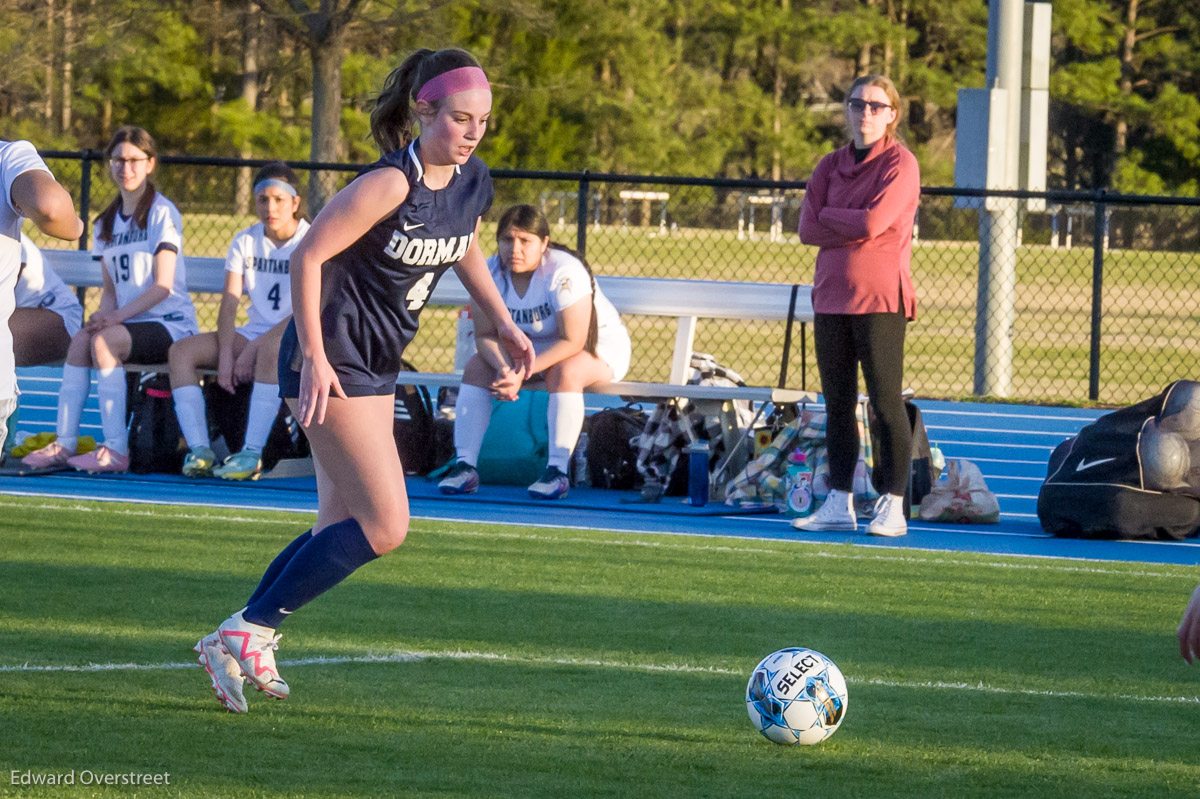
(1010, 443)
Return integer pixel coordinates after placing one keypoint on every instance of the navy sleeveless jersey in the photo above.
(377, 286)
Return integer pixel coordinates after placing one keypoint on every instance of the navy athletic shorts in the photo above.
(354, 384)
(149, 342)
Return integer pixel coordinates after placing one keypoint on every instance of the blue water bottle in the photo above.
(698, 473)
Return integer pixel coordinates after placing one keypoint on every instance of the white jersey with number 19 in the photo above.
(128, 258)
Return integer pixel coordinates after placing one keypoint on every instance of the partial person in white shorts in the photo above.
(258, 265)
(577, 335)
(48, 313)
(144, 307)
(30, 190)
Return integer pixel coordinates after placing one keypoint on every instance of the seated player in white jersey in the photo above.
(48, 313)
(144, 308)
(576, 332)
(258, 265)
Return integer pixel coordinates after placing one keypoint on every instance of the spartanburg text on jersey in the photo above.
(380, 283)
(128, 258)
(265, 269)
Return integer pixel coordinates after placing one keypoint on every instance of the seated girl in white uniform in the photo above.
(576, 332)
(48, 313)
(258, 265)
(144, 307)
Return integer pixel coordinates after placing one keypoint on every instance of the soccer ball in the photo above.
(796, 696)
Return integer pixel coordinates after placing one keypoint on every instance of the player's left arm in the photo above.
(473, 272)
(37, 195)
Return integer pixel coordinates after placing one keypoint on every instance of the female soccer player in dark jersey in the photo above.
(384, 241)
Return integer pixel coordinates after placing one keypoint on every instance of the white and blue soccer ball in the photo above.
(796, 696)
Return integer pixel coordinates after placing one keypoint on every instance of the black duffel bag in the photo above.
(1097, 487)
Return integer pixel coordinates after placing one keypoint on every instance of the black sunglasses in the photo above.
(862, 105)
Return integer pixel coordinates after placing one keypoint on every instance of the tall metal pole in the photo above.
(999, 218)
(1098, 232)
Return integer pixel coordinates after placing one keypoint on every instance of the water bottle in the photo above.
(937, 460)
(798, 487)
(697, 453)
(579, 460)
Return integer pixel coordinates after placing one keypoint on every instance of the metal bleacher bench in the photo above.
(687, 301)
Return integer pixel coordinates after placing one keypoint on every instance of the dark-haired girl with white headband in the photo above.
(258, 265)
(359, 280)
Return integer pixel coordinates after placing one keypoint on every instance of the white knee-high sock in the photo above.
(472, 412)
(264, 407)
(565, 420)
(189, 408)
(110, 390)
(72, 396)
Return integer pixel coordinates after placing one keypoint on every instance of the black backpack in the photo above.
(413, 428)
(1094, 486)
(227, 417)
(156, 443)
(612, 447)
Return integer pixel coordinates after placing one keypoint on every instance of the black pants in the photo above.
(875, 340)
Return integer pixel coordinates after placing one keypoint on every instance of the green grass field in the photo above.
(493, 661)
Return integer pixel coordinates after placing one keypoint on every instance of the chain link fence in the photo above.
(1058, 297)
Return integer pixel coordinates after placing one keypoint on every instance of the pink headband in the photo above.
(452, 82)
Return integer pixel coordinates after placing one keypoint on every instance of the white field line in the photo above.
(944, 442)
(668, 668)
(1002, 460)
(995, 430)
(937, 413)
(690, 542)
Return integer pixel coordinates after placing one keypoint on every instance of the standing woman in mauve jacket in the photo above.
(859, 209)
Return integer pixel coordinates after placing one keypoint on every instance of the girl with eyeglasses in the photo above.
(258, 264)
(144, 307)
(859, 208)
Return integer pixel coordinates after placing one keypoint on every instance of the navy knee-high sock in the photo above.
(281, 560)
(319, 564)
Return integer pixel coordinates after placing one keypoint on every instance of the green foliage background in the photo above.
(670, 87)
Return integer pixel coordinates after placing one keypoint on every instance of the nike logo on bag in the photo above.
(285, 612)
(407, 227)
(1084, 464)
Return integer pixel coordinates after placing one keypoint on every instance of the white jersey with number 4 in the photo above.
(266, 276)
(129, 260)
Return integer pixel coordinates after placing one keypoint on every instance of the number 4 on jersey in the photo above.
(419, 293)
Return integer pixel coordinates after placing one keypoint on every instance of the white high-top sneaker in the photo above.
(889, 517)
(836, 514)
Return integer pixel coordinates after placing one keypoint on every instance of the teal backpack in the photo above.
(517, 443)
